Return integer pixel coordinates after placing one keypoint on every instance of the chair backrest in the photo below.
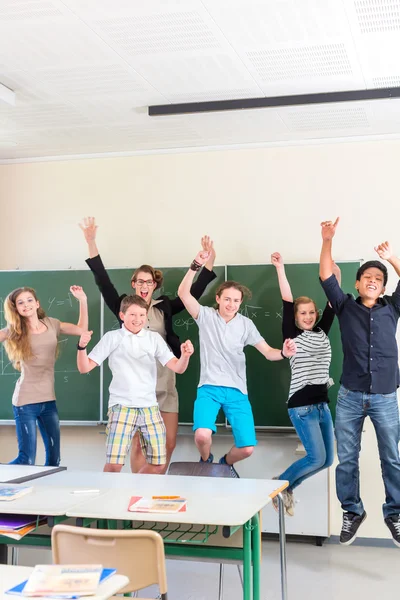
(199, 469)
(138, 554)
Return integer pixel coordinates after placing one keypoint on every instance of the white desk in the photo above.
(11, 576)
(17, 473)
(216, 501)
(210, 501)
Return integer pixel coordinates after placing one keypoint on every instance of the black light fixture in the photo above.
(272, 102)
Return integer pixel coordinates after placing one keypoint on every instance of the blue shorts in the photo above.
(237, 409)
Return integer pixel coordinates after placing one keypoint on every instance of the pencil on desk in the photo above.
(165, 497)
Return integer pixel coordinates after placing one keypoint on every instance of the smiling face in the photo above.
(26, 304)
(229, 303)
(144, 285)
(306, 316)
(371, 284)
(134, 318)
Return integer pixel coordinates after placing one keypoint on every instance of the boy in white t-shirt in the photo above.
(132, 352)
(224, 333)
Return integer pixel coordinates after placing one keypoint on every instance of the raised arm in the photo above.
(184, 291)
(179, 365)
(205, 277)
(337, 272)
(89, 229)
(103, 282)
(84, 363)
(83, 322)
(328, 230)
(286, 292)
(274, 354)
(385, 252)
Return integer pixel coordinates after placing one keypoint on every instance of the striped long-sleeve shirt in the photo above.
(310, 365)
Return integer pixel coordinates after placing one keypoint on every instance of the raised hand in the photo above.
(89, 228)
(328, 229)
(207, 248)
(85, 339)
(384, 250)
(277, 259)
(187, 348)
(289, 348)
(77, 292)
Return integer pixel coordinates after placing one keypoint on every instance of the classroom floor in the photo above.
(332, 572)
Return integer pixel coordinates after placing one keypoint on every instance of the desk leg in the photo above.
(282, 547)
(256, 545)
(247, 560)
(3, 554)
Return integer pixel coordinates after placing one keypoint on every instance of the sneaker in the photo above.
(209, 459)
(234, 473)
(351, 523)
(287, 499)
(393, 522)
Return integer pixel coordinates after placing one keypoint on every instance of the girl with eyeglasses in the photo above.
(145, 281)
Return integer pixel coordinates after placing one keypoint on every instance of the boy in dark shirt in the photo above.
(369, 382)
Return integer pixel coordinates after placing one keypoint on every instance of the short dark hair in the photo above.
(373, 264)
(133, 299)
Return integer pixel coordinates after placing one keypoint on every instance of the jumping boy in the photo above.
(224, 333)
(369, 382)
(132, 352)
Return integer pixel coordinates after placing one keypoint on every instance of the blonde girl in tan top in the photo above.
(31, 344)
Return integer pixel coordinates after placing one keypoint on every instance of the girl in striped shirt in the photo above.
(308, 394)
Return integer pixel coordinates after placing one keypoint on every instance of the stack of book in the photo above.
(62, 581)
(16, 526)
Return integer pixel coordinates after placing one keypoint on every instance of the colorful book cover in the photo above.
(157, 505)
(57, 576)
(12, 492)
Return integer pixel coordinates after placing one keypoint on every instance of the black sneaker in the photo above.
(351, 523)
(209, 459)
(393, 522)
(234, 473)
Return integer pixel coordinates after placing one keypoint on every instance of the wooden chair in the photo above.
(138, 554)
(198, 469)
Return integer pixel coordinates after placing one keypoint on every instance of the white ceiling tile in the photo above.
(375, 26)
(28, 10)
(292, 46)
(326, 118)
(190, 78)
(84, 71)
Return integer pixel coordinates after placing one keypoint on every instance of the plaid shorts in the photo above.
(123, 422)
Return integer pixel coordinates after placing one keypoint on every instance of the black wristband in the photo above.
(80, 347)
(283, 356)
(195, 266)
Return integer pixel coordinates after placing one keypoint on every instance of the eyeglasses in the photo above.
(141, 282)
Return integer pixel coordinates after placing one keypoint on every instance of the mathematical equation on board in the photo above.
(249, 311)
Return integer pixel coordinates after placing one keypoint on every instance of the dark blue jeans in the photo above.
(314, 427)
(46, 416)
(351, 410)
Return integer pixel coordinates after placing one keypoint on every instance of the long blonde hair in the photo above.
(17, 345)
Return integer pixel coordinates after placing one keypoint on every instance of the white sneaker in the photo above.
(288, 501)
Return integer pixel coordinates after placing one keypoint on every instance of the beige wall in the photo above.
(154, 209)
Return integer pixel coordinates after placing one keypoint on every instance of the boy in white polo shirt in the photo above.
(132, 352)
(223, 335)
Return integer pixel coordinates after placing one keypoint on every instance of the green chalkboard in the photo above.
(268, 382)
(78, 397)
(183, 325)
